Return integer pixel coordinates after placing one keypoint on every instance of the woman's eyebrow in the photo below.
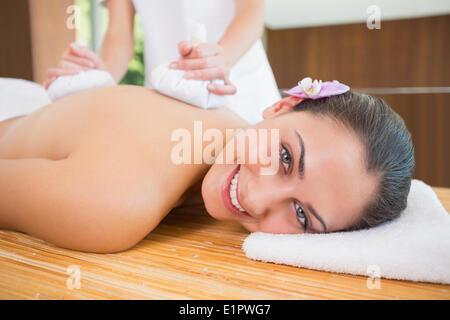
(301, 172)
(315, 214)
(301, 161)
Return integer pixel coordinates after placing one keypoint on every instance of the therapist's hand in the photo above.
(206, 61)
(74, 59)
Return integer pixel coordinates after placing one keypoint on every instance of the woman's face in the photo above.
(320, 184)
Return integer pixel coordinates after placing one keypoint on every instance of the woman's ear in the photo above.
(282, 106)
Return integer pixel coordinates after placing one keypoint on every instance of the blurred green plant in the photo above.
(84, 32)
(136, 69)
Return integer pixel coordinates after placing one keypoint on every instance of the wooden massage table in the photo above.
(189, 256)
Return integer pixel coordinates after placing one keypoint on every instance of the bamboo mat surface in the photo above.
(188, 256)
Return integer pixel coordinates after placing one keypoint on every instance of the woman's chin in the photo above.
(213, 211)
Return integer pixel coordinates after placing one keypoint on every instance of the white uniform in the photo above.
(166, 23)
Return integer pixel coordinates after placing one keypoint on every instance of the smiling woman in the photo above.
(346, 163)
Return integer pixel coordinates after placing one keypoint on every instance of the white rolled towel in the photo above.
(84, 80)
(172, 83)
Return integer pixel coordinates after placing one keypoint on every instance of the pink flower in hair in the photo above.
(308, 89)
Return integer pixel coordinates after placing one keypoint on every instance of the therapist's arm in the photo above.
(117, 48)
(118, 44)
(209, 61)
(246, 27)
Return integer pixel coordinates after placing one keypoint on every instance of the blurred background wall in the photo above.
(406, 61)
(33, 36)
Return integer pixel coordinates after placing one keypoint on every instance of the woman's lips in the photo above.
(226, 194)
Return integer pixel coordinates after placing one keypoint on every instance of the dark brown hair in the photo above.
(389, 152)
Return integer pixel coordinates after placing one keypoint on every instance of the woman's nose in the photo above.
(263, 193)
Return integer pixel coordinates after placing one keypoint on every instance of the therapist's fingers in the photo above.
(70, 65)
(58, 72)
(184, 48)
(198, 63)
(189, 64)
(207, 74)
(205, 50)
(82, 62)
(48, 82)
(188, 51)
(222, 89)
(85, 52)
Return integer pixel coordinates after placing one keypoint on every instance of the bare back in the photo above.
(115, 144)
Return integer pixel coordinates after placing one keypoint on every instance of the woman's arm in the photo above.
(118, 44)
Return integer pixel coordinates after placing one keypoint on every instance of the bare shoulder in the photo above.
(146, 101)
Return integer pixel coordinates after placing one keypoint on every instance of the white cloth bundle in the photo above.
(172, 83)
(83, 80)
(415, 246)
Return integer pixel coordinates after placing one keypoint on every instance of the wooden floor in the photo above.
(189, 256)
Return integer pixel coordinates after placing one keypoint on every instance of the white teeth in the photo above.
(233, 191)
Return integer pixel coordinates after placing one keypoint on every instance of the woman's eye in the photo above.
(301, 215)
(285, 158)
